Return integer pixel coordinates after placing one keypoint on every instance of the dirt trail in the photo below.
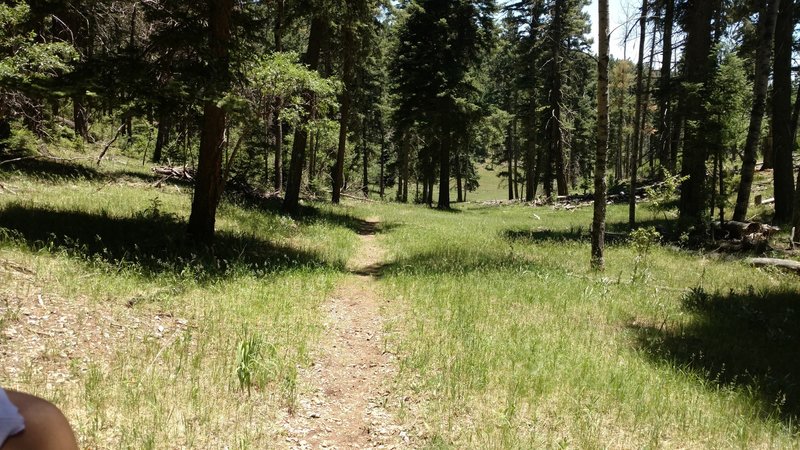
(350, 375)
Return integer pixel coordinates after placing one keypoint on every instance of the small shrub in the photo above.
(642, 241)
(663, 197)
(21, 141)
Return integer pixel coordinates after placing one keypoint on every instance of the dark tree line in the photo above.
(409, 100)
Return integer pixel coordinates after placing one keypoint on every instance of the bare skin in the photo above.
(46, 428)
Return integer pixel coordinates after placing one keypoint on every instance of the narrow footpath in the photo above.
(349, 379)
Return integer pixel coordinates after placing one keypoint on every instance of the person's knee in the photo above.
(46, 428)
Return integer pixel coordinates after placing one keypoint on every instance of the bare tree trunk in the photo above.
(405, 148)
(364, 158)
(600, 187)
(510, 161)
(782, 142)
(291, 201)
(444, 166)
(346, 100)
(665, 90)
(208, 188)
(162, 136)
(698, 70)
(382, 161)
(278, 131)
(80, 117)
(639, 119)
(766, 28)
(557, 144)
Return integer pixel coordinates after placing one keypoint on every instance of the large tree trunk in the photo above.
(405, 148)
(530, 160)
(782, 139)
(162, 136)
(698, 71)
(346, 99)
(444, 166)
(382, 180)
(600, 187)
(766, 28)
(364, 159)
(665, 90)
(80, 117)
(278, 163)
(639, 117)
(510, 161)
(311, 59)
(208, 186)
(556, 98)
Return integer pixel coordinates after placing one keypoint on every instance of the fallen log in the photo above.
(738, 230)
(786, 264)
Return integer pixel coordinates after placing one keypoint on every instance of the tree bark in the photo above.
(364, 159)
(601, 152)
(346, 99)
(782, 139)
(444, 166)
(665, 89)
(698, 70)
(556, 97)
(311, 59)
(162, 136)
(639, 117)
(208, 188)
(766, 29)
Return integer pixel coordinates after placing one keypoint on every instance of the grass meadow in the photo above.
(504, 337)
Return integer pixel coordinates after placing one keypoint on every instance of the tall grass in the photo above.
(508, 340)
(192, 322)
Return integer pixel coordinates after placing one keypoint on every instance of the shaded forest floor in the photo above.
(480, 328)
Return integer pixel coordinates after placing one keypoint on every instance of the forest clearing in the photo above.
(478, 328)
(466, 224)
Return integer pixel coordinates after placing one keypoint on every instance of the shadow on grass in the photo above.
(150, 244)
(455, 262)
(308, 214)
(747, 340)
(48, 170)
(61, 171)
(547, 235)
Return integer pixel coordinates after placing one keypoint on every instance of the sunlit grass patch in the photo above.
(141, 328)
(509, 340)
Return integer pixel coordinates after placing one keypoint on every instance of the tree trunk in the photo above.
(510, 161)
(208, 186)
(600, 187)
(162, 138)
(530, 159)
(767, 151)
(405, 148)
(364, 159)
(766, 28)
(444, 166)
(311, 59)
(556, 96)
(79, 117)
(346, 99)
(665, 90)
(459, 184)
(698, 69)
(278, 169)
(639, 119)
(782, 142)
(382, 161)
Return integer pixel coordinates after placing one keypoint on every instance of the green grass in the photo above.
(107, 242)
(507, 340)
